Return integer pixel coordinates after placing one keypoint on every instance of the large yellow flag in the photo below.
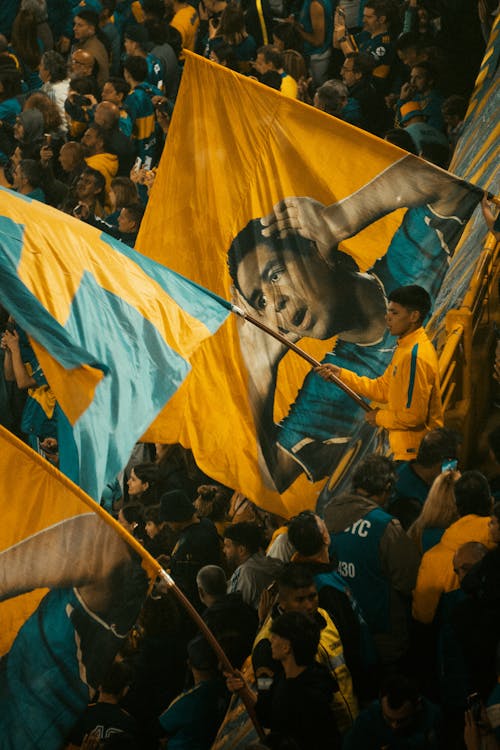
(307, 223)
(72, 582)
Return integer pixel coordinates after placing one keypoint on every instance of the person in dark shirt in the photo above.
(356, 73)
(233, 622)
(198, 543)
(298, 707)
(104, 718)
(191, 721)
(401, 718)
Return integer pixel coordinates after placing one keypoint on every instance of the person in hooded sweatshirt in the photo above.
(98, 155)
(28, 132)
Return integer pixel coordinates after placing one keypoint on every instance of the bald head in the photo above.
(107, 115)
(71, 156)
(82, 63)
(467, 556)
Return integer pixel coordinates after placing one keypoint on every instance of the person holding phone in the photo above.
(375, 38)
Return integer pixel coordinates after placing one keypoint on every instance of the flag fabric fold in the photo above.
(72, 582)
(307, 223)
(113, 331)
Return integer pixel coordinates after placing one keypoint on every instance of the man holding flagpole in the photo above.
(410, 385)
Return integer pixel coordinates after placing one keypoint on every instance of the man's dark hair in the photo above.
(100, 132)
(32, 171)
(152, 513)
(413, 298)
(294, 576)
(251, 236)
(118, 676)
(55, 64)
(303, 633)
(99, 179)
(137, 67)
(375, 475)
(272, 55)
(120, 85)
(89, 16)
(246, 533)
(408, 40)
(84, 85)
(288, 34)
(494, 442)
(399, 690)
(381, 8)
(400, 137)
(133, 513)
(212, 579)
(362, 62)
(473, 494)
(135, 212)
(429, 69)
(201, 655)
(225, 53)
(437, 446)
(304, 534)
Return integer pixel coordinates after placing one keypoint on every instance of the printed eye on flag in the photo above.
(307, 223)
(70, 589)
(113, 331)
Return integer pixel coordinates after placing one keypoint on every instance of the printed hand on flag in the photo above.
(303, 215)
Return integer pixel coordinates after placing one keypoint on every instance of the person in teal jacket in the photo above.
(139, 105)
(376, 557)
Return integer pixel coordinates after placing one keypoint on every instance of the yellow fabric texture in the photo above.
(58, 249)
(40, 498)
(211, 182)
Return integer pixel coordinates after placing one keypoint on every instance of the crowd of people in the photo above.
(87, 89)
(376, 625)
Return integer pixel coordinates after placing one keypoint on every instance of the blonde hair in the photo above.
(439, 509)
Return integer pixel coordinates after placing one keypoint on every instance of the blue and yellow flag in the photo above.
(307, 223)
(113, 331)
(72, 582)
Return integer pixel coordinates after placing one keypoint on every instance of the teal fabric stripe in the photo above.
(142, 372)
(199, 302)
(413, 368)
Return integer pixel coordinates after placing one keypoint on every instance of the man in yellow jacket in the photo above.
(409, 388)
